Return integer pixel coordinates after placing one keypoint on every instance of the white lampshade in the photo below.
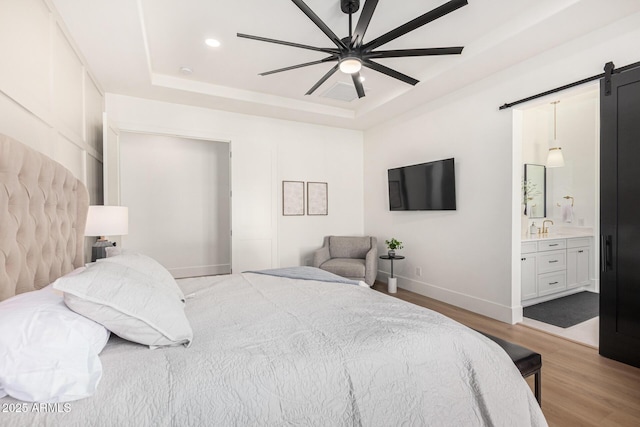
(555, 159)
(107, 221)
(350, 65)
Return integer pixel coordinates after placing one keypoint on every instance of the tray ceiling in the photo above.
(137, 48)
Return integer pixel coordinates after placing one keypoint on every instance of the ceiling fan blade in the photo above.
(418, 22)
(363, 22)
(322, 80)
(316, 20)
(306, 64)
(358, 84)
(301, 46)
(390, 72)
(415, 52)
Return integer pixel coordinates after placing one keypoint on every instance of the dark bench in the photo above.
(528, 362)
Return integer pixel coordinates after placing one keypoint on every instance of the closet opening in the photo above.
(178, 191)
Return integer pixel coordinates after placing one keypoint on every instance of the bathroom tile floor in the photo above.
(586, 333)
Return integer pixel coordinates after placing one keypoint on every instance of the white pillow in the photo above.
(146, 265)
(48, 353)
(130, 304)
(112, 251)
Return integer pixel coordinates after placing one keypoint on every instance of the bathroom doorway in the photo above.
(559, 249)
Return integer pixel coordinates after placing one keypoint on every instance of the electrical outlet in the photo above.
(419, 271)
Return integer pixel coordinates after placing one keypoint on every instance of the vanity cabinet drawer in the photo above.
(579, 242)
(552, 245)
(552, 261)
(528, 247)
(550, 283)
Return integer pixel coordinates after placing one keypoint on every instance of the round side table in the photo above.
(392, 284)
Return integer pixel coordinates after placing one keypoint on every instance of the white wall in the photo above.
(48, 99)
(177, 192)
(264, 153)
(470, 257)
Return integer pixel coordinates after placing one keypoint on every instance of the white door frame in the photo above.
(153, 130)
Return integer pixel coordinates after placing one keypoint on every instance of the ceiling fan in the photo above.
(351, 53)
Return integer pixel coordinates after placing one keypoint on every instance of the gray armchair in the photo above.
(354, 258)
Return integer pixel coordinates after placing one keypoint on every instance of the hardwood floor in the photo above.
(579, 387)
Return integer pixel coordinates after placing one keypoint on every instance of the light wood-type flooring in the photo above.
(579, 387)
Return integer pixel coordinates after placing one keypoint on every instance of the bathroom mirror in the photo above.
(534, 190)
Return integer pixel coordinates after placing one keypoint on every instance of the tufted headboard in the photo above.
(43, 211)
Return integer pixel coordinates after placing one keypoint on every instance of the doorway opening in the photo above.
(559, 250)
(178, 191)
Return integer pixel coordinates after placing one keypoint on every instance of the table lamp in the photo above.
(106, 221)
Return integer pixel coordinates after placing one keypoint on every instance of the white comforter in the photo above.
(273, 351)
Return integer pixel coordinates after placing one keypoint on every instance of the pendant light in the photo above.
(555, 159)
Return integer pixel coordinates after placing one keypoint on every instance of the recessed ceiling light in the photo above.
(212, 42)
(186, 70)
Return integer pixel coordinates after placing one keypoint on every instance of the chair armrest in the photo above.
(371, 263)
(321, 256)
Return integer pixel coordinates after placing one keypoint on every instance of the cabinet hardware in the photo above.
(553, 283)
(555, 260)
(523, 259)
(580, 252)
(555, 244)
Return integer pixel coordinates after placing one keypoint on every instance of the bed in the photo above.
(265, 350)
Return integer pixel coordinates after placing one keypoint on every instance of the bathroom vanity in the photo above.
(554, 266)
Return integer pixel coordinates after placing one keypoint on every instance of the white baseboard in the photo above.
(496, 311)
(200, 270)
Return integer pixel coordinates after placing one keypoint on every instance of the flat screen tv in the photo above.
(423, 187)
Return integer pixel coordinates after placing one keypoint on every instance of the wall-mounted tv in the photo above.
(423, 187)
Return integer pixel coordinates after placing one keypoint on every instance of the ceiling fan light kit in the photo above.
(351, 53)
(350, 65)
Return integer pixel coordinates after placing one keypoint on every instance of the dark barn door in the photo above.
(620, 217)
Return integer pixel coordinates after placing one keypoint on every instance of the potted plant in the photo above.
(393, 244)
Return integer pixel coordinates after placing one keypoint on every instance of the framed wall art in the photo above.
(292, 198)
(317, 198)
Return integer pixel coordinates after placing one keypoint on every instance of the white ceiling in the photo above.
(137, 47)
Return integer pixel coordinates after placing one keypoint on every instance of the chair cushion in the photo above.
(345, 267)
(349, 247)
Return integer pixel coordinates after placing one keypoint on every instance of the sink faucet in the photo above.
(545, 230)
